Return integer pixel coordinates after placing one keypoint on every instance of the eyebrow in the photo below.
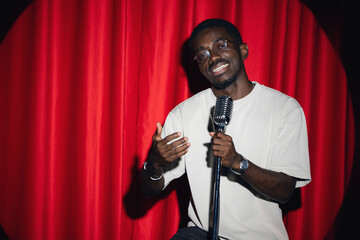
(216, 40)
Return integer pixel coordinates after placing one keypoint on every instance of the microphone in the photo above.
(221, 118)
(222, 112)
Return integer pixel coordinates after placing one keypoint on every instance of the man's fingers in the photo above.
(221, 138)
(168, 149)
(218, 135)
(178, 155)
(158, 129)
(218, 153)
(157, 135)
(178, 142)
(175, 153)
(222, 147)
(221, 142)
(171, 137)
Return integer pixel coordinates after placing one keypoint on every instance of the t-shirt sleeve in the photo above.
(173, 124)
(289, 152)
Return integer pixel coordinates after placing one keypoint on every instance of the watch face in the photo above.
(244, 165)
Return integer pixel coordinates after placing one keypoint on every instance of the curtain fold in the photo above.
(83, 83)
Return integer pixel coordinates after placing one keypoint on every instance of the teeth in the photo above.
(220, 68)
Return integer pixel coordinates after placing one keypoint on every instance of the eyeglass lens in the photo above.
(218, 46)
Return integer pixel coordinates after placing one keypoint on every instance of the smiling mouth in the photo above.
(218, 69)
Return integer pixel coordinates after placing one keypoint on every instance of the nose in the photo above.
(213, 56)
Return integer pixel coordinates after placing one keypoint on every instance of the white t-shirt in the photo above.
(268, 128)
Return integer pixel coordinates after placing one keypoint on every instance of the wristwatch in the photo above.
(244, 164)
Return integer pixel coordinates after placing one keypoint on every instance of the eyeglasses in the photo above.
(219, 46)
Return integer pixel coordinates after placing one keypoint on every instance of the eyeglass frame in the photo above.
(208, 52)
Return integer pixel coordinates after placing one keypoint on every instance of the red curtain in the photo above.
(83, 83)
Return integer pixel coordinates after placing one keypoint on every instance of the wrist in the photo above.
(155, 173)
(243, 166)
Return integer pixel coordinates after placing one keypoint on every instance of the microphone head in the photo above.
(222, 112)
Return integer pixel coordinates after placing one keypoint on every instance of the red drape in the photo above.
(83, 83)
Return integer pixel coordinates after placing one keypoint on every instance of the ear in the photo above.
(244, 50)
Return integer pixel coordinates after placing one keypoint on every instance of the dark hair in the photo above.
(216, 22)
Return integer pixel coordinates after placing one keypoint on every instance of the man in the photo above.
(264, 150)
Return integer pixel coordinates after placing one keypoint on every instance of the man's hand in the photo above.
(274, 185)
(224, 148)
(162, 152)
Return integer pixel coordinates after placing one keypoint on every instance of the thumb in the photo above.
(157, 135)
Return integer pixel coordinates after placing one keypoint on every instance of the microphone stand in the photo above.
(216, 196)
(221, 118)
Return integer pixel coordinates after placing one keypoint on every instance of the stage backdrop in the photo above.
(83, 83)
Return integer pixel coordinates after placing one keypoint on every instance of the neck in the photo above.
(239, 89)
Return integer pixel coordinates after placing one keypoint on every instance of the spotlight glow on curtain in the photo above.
(83, 83)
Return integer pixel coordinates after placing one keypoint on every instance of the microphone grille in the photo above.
(223, 111)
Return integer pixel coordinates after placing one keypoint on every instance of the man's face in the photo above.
(222, 68)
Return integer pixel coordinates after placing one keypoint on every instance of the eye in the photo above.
(220, 45)
(201, 55)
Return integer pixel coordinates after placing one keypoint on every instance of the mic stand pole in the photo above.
(216, 196)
